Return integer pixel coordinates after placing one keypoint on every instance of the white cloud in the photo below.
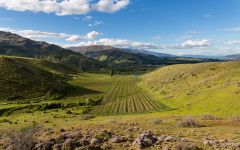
(234, 29)
(34, 34)
(190, 44)
(95, 23)
(123, 43)
(87, 18)
(235, 42)
(110, 5)
(64, 7)
(92, 35)
(118, 43)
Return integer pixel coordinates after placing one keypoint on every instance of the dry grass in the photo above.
(22, 140)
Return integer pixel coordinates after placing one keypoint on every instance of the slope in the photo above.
(15, 45)
(21, 78)
(199, 88)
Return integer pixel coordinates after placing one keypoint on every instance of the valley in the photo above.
(118, 108)
(101, 97)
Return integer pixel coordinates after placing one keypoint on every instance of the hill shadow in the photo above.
(80, 91)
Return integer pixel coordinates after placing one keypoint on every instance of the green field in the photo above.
(125, 96)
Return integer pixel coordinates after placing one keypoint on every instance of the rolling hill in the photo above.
(15, 45)
(122, 58)
(24, 78)
(197, 88)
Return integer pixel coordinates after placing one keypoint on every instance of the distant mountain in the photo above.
(120, 58)
(203, 56)
(233, 57)
(15, 45)
(23, 78)
(149, 53)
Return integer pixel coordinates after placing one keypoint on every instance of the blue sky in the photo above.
(201, 27)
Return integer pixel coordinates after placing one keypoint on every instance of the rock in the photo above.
(77, 135)
(64, 136)
(118, 139)
(84, 141)
(70, 144)
(162, 138)
(206, 142)
(106, 146)
(167, 148)
(93, 147)
(170, 139)
(95, 141)
(145, 140)
(57, 147)
(44, 145)
(184, 140)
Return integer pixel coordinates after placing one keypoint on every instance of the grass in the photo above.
(205, 88)
(20, 79)
(125, 96)
(125, 100)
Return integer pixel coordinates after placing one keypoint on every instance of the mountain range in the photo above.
(130, 58)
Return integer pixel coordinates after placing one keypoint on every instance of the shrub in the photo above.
(210, 117)
(23, 139)
(236, 119)
(4, 120)
(87, 117)
(69, 112)
(184, 146)
(157, 122)
(189, 122)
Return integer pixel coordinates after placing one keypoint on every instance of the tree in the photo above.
(111, 72)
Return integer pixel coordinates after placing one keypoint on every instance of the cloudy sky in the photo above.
(200, 27)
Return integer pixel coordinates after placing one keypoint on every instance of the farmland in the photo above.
(125, 96)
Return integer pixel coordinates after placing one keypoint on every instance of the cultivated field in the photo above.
(125, 96)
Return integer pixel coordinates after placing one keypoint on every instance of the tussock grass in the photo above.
(189, 122)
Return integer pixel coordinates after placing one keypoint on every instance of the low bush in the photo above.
(23, 139)
(4, 121)
(87, 117)
(185, 146)
(210, 117)
(236, 119)
(157, 122)
(189, 122)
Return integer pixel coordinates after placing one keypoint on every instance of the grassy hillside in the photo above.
(199, 88)
(15, 45)
(22, 78)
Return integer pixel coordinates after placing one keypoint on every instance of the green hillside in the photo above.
(22, 78)
(199, 88)
(15, 45)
